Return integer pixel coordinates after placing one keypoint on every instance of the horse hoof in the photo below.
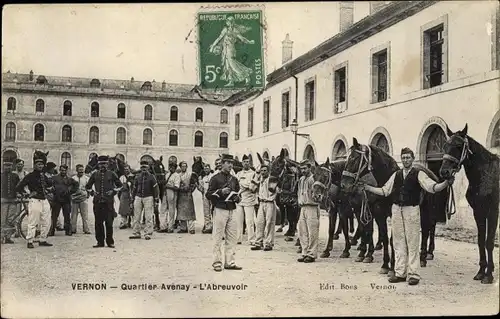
(429, 257)
(325, 254)
(479, 276)
(383, 271)
(391, 273)
(335, 237)
(368, 260)
(488, 279)
(359, 259)
(378, 247)
(288, 239)
(423, 263)
(345, 254)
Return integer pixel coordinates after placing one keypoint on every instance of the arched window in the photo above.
(94, 135)
(41, 80)
(121, 157)
(148, 159)
(495, 138)
(11, 104)
(435, 144)
(380, 141)
(173, 138)
(92, 155)
(40, 106)
(199, 115)
(66, 159)
(198, 139)
(94, 109)
(172, 159)
(66, 133)
(148, 113)
(121, 135)
(174, 113)
(309, 153)
(223, 140)
(67, 108)
(265, 155)
(10, 132)
(147, 137)
(339, 150)
(223, 116)
(95, 83)
(147, 86)
(39, 132)
(120, 112)
(9, 156)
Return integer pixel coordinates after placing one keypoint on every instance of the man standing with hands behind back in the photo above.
(224, 222)
(404, 188)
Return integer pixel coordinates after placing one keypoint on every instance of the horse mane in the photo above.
(337, 167)
(481, 153)
(384, 165)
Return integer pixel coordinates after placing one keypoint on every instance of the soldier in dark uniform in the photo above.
(107, 185)
(9, 205)
(64, 187)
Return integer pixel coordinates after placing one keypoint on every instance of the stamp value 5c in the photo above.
(230, 48)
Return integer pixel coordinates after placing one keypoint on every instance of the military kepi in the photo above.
(39, 159)
(144, 163)
(103, 159)
(227, 157)
(245, 157)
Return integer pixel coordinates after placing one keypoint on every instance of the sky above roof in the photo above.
(144, 41)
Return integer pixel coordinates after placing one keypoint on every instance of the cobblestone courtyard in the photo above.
(40, 282)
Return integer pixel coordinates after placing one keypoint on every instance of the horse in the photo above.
(482, 169)
(335, 201)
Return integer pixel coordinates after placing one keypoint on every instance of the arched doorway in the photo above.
(339, 150)
(147, 158)
(250, 160)
(8, 156)
(286, 153)
(380, 141)
(309, 154)
(495, 136)
(434, 148)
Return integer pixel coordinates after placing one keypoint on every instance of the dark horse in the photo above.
(335, 202)
(482, 169)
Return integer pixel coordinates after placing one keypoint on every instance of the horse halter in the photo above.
(463, 156)
(364, 162)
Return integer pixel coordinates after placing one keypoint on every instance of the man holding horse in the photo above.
(185, 203)
(245, 210)
(404, 187)
(169, 203)
(107, 184)
(40, 188)
(203, 188)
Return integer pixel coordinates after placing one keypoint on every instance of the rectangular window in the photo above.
(340, 78)
(285, 109)
(267, 106)
(379, 76)
(310, 111)
(237, 127)
(250, 122)
(434, 53)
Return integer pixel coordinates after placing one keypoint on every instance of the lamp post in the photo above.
(294, 127)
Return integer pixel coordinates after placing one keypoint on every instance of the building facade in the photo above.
(394, 76)
(75, 117)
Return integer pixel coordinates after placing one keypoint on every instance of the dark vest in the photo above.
(406, 192)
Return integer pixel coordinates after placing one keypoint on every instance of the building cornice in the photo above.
(363, 29)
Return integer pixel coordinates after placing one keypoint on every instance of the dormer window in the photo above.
(95, 83)
(41, 80)
(147, 86)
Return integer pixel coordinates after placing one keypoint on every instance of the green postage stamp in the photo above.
(230, 48)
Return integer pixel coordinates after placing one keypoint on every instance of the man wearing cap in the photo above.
(266, 215)
(9, 205)
(50, 172)
(245, 209)
(21, 172)
(64, 187)
(146, 195)
(169, 203)
(207, 209)
(39, 187)
(185, 204)
(107, 185)
(224, 220)
(125, 207)
(404, 187)
(80, 207)
(309, 215)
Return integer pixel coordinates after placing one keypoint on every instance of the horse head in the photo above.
(322, 176)
(40, 155)
(358, 168)
(158, 169)
(198, 166)
(456, 151)
(92, 163)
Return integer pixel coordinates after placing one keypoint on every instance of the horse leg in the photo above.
(490, 245)
(378, 246)
(339, 229)
(371, 249)
(432, 245)
(332, 219)
(385, 241)
(362, 246)
(351, 223)
(391, 272)
(157, 219)
(344, 220)
(480, 219)
(425, 227)
(357, 235)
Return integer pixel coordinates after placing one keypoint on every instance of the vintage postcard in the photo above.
(250, 159)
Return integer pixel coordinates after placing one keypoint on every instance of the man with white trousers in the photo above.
(245, 209)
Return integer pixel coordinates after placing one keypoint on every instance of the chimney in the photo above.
(286, 49)
(163, 85)
(346, 15)
(31, 75)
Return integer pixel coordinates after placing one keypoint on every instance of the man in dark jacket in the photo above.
(225, 225)
(64, 187)
(107, 185)
(9, 205)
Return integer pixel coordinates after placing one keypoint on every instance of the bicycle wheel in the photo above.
(22, 225)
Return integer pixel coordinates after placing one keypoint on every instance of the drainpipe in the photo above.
(296, 115)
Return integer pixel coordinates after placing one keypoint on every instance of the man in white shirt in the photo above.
(245, 209)
(78, 206)
(203, 187)
(169, 202)
(404, 188)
